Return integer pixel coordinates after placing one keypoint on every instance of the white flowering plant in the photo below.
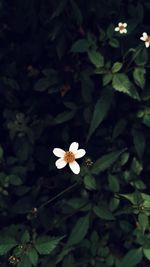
(75, 133)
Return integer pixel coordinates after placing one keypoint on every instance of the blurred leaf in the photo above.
(14, 179)
(132, 258)
(114, 43)
(25, 237)
(113, 183)
(122, 83)
(42, 85)
(89, 182)
(110, 31)
(96, 58)
(139, 76)
(6, 244)
(80, 46)
(60, 8)
(139, 142)
(79, 231)
(64, 116)
(25, 261)
(119, 128)
(146, 252)
(143, 221)
(107, 78)
(116, 67)
(76, 12)
(69, 261)
(33, 256)
(106, 161)
(141, 57)
(45, 244)
(136, 166)
(100, 111)
(1, 153)
(103, 212)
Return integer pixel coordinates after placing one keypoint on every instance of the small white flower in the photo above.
(69, 157)
(121, 27)
(146, 39)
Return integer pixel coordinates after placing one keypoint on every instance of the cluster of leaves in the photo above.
(66, 76)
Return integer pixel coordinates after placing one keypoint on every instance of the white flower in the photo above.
(121, 27)
(146, 39)
(69, 157)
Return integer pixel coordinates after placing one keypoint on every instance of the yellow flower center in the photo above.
(148, 39)
(121, 28)
(69, 157)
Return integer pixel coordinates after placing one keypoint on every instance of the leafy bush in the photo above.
(67, 75)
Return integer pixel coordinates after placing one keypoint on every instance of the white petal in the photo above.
(74, 147)
(120, 24)
(122, 31)
(125, 24)
(80, 153)
(117, 29)
(58, 152)
(125, 31)
(147, 44)
(60, 163)
(74, 166)
(142, 38)
(145, 35)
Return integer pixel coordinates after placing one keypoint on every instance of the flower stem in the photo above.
(58, 195)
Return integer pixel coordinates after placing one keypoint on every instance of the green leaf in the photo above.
(103, 212)
(119, 128)
(6, 244)
(76, 12)
(25, 261)
(146, 252)
(114, 203)
(106, 161)
(114, 42)
(89, 182)
(107, 78)
(14, 179)
(136, 166)
(1, 152)
(69, 261)
(121, 83)
(33, 256)
(139, 142)
(113, 183)
(60, 8)
(25, 237)
(141, 56)
(42, 85)
(116, 67)
(64, 116)
(110, 31)
(132, 258)
(45, 244)
(96, 58)
(135, 198)
(80, 46)
(139, 76)
(143, 221)
(100, 111)
(79, 231)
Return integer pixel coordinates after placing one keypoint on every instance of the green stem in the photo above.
(58, 195)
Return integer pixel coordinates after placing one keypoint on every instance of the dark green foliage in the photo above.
(66, 75)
